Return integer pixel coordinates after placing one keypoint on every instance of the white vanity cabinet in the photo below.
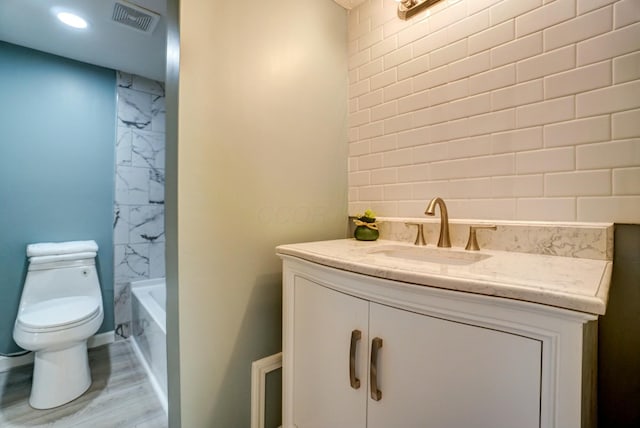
(441, 373)
(426, 357)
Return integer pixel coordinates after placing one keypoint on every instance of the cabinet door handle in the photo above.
(376, 344)
(356, 335)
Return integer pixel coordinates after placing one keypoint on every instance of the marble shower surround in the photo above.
(138, 222)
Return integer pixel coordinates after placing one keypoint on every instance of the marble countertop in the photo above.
(565, 282)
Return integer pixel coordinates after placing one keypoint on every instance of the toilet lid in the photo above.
(59, 312)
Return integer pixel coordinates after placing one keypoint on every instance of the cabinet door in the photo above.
(324, 320)
(443, 374)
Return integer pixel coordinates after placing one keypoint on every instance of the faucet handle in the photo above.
(472, 243)
(420, 235)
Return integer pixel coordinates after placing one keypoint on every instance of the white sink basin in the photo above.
(430, 254)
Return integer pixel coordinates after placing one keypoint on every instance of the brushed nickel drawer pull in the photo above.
(356, 335)
(376, 344)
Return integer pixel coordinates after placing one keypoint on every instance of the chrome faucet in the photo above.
(444, 240)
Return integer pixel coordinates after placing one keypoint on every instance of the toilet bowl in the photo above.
(60, 308)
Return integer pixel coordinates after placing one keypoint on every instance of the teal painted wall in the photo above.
(57, 144)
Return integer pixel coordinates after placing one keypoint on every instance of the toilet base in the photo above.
(60, 376)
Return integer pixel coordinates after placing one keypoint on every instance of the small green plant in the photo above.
(368, 216)
(366, 226)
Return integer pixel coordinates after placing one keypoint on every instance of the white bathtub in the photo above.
(149, 331)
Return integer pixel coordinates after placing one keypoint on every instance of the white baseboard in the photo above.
(101, 339)
(259, 370)
(7, 363)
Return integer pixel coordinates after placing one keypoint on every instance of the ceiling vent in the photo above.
(135, 17)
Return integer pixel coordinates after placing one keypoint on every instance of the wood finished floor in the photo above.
(120, 396)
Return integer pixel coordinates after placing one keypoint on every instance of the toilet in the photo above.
(60, 308)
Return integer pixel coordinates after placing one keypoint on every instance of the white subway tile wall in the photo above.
(508, 109)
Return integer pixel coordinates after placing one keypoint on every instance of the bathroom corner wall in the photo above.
(619, 336)
(138, 223)
(508, 109)
(260, 117)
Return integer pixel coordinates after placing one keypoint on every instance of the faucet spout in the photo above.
(444, 240)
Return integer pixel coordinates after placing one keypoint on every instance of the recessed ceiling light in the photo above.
(72, 20)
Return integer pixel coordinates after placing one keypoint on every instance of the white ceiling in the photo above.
(32, 23)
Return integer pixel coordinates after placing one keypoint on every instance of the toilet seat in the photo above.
(58, 314)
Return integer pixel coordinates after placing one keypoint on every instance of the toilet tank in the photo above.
(67, 278)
